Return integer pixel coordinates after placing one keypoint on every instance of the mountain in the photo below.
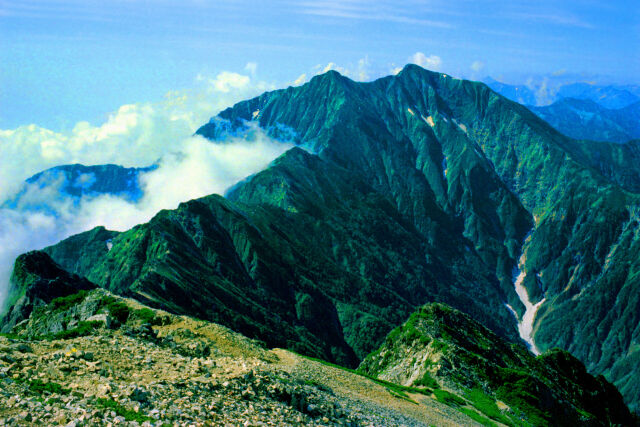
(440, 346)
(410, 189)
(610, 96)
(37, 281)
(585, 119)
(76, 181)
(522, 94)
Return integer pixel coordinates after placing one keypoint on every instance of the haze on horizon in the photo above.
(67, 61)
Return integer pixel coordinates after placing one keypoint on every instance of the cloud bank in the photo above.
(136, 135)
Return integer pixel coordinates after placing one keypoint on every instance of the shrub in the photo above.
(65, 303)
(478, 418)
(450, 399)
(40, 387)
(427, 381)
(119, 310)
(145, 315)
(487, 405)
(128, 414)
(84, 328)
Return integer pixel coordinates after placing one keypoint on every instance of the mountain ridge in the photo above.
(400, 161)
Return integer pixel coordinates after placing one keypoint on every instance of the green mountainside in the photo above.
(439, 346)
(410, 189)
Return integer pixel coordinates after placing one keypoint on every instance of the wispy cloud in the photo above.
(554, 19)
(371, 11)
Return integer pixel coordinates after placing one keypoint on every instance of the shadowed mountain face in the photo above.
(412, 188)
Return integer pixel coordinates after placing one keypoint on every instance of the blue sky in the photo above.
(64, 61)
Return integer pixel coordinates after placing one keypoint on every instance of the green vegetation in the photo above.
(449, 398)
(145, 315)
(427, 381)
(65, 303)
(40, 387)
(554, 386)
(10, 336)
(84, 328)
(478, 418)
(487, 405)
(128, 414)
(116, 308)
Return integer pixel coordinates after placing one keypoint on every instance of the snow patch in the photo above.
(411, 111)
(525, 324)
(515, 315)
(428, 120)
(255, 114)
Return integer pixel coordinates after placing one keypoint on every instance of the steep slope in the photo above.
(311, 254)
(572, 189)
(423, 188)
(585, 119)
(441, 346)
(35, 282)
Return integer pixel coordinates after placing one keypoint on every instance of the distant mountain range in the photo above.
(586, 119)
(582, 110)
(608, 96)
(410, 189)
(77, 181)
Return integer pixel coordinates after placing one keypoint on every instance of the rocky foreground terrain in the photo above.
(112, 361)
(92, 358)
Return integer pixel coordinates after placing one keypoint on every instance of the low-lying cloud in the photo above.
(136, 135)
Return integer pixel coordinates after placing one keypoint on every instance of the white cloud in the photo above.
(226, 81)
(359, 72)
(396, 70)
(477, 66)
(135, 135)
(197, 169)
(432, 62)
(300, 80)
(251, 67)
(363, 69)
(333, 66)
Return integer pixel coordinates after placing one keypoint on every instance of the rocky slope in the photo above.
(439, 346)
(95, 359)
(413, 188)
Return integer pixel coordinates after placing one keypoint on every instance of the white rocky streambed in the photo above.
(525, 323)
